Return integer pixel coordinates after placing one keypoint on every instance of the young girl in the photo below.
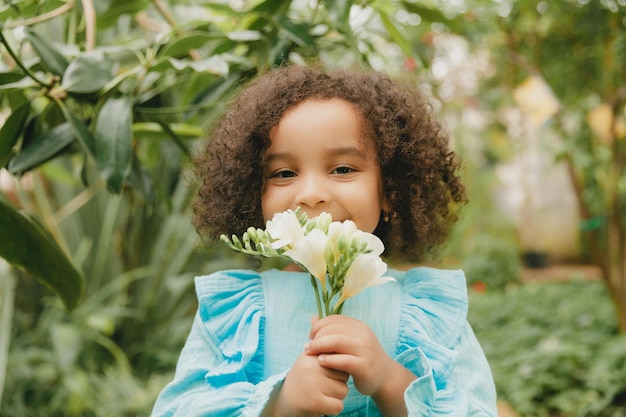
(361, 147)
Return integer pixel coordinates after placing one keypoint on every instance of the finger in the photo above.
(333, 343)
(348, 364)
(336, 375)
(319, 324)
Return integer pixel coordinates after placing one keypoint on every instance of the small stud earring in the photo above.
(385, 217)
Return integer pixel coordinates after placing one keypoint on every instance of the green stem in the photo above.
(317, 297)
(19, 63)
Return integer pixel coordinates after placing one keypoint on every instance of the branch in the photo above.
(171, 20)
(20, 64)
(90, 24)
(42, 17)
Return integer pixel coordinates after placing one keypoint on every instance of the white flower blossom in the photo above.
(309, 253)
(285, 228)
(366, 271)
(342, 258)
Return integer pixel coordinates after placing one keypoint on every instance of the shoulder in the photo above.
(225, 291)
(434, 304)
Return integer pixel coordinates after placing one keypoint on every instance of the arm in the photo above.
(407, 386)
(191, 393)
(464, 386)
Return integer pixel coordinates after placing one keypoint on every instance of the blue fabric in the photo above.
(250, 327)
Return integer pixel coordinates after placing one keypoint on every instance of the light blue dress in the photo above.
(251, 327)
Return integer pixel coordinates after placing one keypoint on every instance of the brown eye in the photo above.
(284, 174)
(342, 170)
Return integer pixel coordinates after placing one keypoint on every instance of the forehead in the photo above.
(317, 118)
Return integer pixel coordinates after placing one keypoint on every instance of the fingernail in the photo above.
(307, 346)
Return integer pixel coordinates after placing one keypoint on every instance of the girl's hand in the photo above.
(310, 390)
(349, 345)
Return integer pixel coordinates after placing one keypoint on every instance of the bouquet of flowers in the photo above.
(341, 260)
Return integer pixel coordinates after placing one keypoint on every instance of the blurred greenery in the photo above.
(552, 350)
(102, 102)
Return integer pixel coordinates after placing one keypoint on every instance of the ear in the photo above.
(384, 204)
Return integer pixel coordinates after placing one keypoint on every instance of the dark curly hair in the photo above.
(419, 171)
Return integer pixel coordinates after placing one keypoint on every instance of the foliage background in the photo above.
(102, 102)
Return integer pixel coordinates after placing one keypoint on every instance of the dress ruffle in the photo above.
(432, 316)
(231, 307)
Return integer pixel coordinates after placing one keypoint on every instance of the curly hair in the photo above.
(419, 171)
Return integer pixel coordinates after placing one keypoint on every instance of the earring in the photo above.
(385, 217)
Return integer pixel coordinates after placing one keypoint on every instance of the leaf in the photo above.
(11, 131)
(80, 130)
(245, 35)
(297, 33)
(41, 149)
(182, 44)
(213, 65)
(22, 84)
(431, 15)
(154, 130)
(113, 136)
(88, 73)
(51, 59)
(25, 244)
(395, 34)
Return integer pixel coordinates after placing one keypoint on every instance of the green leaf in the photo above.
(41, 149)
(213, 65)
(25, 244)
(11, 131)
(430, 14)
(395, 34)
(155, 131)
(51, 59)
(88, 73)
(297, 33)
(113, 141)
(182, 44)
(22, 84)
(80, 130)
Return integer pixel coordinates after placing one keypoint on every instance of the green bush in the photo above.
(554, 348)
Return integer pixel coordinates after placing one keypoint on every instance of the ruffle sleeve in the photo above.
(436, 343)
(219, 371)
(232, 311)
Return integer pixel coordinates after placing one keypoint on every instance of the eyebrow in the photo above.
(339, 151)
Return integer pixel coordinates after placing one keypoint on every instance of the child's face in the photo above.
(318, 159)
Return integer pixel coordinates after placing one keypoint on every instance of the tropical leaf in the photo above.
(25, 244)
(11, 131)
(41, 149)
(113, 141)
(88, 73)
(51, 58)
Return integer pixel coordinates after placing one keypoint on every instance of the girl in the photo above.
(361, 147)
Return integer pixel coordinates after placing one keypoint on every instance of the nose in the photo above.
(312, 192)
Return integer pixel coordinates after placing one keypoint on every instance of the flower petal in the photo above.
(285, 228)
(309, 253)
(366, 271)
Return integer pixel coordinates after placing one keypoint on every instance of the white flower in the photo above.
(308, 251)
(366, 271)
(285, 228)
(323, 221)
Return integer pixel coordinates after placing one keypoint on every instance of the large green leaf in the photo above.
(25, 244)
(113, 141)
(41, 149)
(51, 58)
(11, 131)
(88, 73)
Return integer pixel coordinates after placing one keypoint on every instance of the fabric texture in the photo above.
(250, 327)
